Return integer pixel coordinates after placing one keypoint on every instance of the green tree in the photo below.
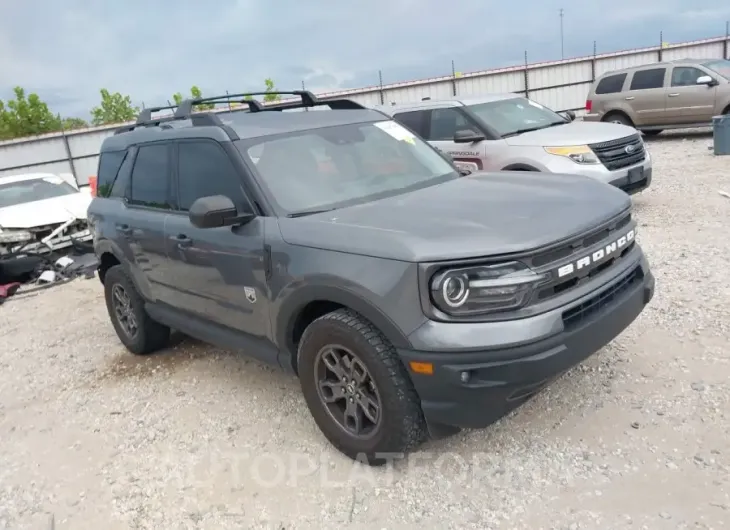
(69, 124)
(25, 116)
(271, 88)
(195, 92)
(114, 108)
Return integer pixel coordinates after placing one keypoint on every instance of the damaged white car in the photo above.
(42, 213)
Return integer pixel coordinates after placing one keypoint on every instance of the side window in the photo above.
(415, 121)
(686, 76)
(109, 164)
(205, 169)
(646, 79)
(611, 84)
(150, 177)
(445, 123)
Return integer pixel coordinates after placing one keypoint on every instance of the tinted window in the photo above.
(686, 76)
(611, 84)
(109, 164)
(445, 123)
(205, 169)
(332, 167)
(150, 177)
(645, 79)
(415, 121)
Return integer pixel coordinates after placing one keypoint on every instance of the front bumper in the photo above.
(500, 379)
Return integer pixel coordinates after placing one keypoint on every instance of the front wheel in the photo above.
(357, 390)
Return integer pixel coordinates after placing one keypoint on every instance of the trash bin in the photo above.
(721, 134)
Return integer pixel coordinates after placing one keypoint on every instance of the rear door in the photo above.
(688, 102)
(219, 272)
(142, 227)
(646, 96)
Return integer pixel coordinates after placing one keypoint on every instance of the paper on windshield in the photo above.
(53, 180)
(397, 131)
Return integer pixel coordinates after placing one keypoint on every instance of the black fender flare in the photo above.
(106, 246)
(293, 304)
(519, 167)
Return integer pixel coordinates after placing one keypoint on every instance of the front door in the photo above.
(688, 102)
(440, 132)
(218, 273)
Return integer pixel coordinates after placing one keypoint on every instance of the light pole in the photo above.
(562, 45)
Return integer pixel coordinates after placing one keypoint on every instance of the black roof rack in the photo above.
(185, 109)
(334, 104)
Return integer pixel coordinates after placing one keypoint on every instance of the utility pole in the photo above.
(562, 42)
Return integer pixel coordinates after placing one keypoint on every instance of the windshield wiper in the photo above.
(302, 213)
(531, 129)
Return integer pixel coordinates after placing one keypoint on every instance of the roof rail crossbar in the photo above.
(146, 114)
(185, 109)
(334, 104)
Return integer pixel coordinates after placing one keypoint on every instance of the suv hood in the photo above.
(573, 133)
(484, 214)
(45, 212)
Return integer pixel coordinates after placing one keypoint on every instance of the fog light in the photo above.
(465, 376)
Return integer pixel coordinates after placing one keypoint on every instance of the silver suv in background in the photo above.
(507, 132)
(658, 96)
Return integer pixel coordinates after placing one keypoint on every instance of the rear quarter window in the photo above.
(109, 164)
(611, 84)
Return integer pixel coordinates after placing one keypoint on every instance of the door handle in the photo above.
(629, 98)
(674, 95)
(124, 229)
(182, 240)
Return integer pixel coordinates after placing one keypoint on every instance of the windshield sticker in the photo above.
(396, 131)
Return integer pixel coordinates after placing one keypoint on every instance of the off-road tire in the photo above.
(402, 426)
(151, 335)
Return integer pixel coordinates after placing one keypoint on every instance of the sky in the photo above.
(66, 51)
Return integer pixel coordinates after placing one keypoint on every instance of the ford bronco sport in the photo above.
(409, 300)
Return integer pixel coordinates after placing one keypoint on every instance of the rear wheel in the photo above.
(618, 117)
(357, 390)
(652, 132)
(136, 330)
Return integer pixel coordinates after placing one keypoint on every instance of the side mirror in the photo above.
(467, 136)
(570, 115)
(216, 211)
(705, 80)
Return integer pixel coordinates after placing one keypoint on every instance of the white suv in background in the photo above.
(512, 133)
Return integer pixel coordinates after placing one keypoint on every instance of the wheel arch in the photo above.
(618, 112)
(311, 302)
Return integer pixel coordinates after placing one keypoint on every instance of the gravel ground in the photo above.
(200, 438)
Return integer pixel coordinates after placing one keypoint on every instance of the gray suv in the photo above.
(409, 300)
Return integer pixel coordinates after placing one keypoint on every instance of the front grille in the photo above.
(574, 316)
(617, 154)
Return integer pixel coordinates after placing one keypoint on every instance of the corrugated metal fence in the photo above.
(560, 85)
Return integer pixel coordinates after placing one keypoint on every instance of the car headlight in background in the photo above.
(484, 289)
(15, 236)
(580, 154)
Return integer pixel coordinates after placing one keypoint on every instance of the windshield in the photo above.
(25, 191)
(515, 115)
(339, 166)
(720, 66)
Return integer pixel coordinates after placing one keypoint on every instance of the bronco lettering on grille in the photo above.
(597, 255)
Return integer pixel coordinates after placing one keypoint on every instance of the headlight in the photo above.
(580, 154)
(484, 289)
(15, 236)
